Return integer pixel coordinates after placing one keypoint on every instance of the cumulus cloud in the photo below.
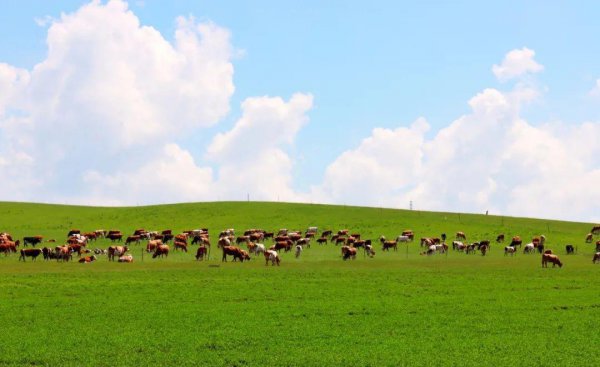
(489, 159)
(108, 93)
(517, 63)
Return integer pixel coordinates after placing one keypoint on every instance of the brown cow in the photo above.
(387, 245)
(75, 248)
(595, 229)
(151, 246)
(348, 252)
(550, 258)
(131, 239)
(272, 256)
(201, 253)
(234, 251)
(33, 253)
(461, 236)
(500, 238)
(162, 250)
(322, 240)
(285, 245)
(596, 258)
(589, 238)
(516, 241)
(63, 253)
(180, 246)
(115, 236)
(87, 259)
(116, 251)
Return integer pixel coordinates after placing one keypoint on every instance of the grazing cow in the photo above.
(409, 233)
(387, 245)
(589, 238)
(268, 235)
(63, 253)
(458, 246)
(272, 256)
(201, 253)
(461, 236)
(75, 248)
(151, 246)
(546, 258)
(131, 239)
(298, 251)
(48, 253)
(115, 236)
(116, 251)
(598, 246)
(161, 250)
(125, 259)
(406, 239)
(285, 245)
(596, 258)
(234, 251)
(570, 249)
(369, 250)
(34, 240)
(339, 240)
(201, 240)
(595, 230)
(471, 248)
(327, 233)
(500, 238)
(223, 242)
(348, 253)
(180, 246)
(87, 259)
(322, 240)
(73, 232)
(516, 241)
(139, 232)
(484, 243)
(529, 249)
(259, 248)
(304, 242)
(241, 239)
(257, 237)
(245, 255)
(510, 250)
(426, 242)
(33, 253)
(343, 232)
(484, 249)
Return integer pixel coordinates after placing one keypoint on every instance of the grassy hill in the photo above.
(398, 308)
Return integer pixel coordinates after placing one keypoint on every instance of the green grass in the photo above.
(395, 309)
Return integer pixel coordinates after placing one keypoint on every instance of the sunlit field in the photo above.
(397, 308)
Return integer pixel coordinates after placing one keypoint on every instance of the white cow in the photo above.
(529, 249)
(401, 238)
(509, 250)
(298, 250)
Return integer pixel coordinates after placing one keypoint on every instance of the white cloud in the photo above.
(490, 159)
(108, 93)
(517, 63)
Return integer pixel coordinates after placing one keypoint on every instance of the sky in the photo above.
(460, 106)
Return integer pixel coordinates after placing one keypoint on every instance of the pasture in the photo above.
(398, 308)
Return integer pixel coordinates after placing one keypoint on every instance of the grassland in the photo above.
(395, 309)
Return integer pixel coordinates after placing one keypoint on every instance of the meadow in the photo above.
(396, 309)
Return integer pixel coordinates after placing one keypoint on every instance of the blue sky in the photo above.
(367, 65)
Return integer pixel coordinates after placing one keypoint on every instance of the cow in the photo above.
(471, 248)
(151, 245)
(443, 237)
(596, 258)
(75, 248)
(133, 239)
(406, 239)
(516, 241)
(426, 242)
(500, 238)
(116, 251)
(529, 249)
(322, 240)
(201, 240)
(304, 242)
(343, 232)
(259, 248)
(223, 242)
(9, 246)
(589, 238)
(125, 259)
(387, 245)
(34, 240)
(161, 250)
(458, 246)
(234, 251)
(510, 250)
(285, 245)
(73, 232)
(257, 237)
(245, 255)
(369, 250)
(409, 233)
(139, 232)
(348, 253)
(327, 233)
(201, 253)
(33, 253)
(597, 246)
(114, 236)
(595, 230)
(99, 251)
(63, 253)
(461, 236)
(272, 256)
(570, 249)
(546, 258)
(87, 259)
(298, 251)
(242, 239)
(484, 249)
(180, 246)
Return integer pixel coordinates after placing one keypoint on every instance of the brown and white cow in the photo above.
(596, 258)
(161, 250)
(126, 259)
(348, 253)
(546, 258)
(87, 259)
(116, 252)
(271, 256)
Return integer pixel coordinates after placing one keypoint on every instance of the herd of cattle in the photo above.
(159, 244)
